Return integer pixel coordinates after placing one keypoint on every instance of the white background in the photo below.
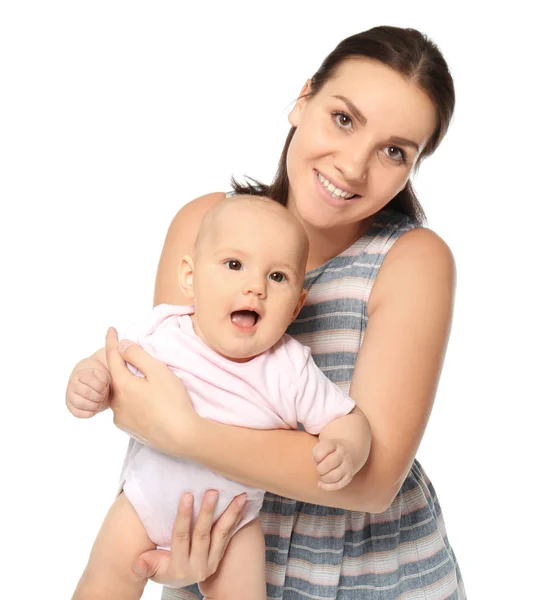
(114, 114)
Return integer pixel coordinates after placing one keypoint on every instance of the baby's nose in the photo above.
(255, 285)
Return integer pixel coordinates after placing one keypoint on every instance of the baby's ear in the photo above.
(299, 306)
(186, 276)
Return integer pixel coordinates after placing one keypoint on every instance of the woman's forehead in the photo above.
(383, 97)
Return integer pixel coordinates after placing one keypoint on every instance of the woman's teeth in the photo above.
(334, 191)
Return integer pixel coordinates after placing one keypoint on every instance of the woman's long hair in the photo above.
(411, 54)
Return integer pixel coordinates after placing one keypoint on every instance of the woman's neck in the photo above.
(324, 244)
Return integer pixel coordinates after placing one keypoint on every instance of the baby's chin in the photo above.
(237, 355)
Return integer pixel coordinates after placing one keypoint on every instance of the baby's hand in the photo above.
(88, 389)
(333, 464)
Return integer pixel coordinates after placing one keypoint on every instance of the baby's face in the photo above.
(248, 280)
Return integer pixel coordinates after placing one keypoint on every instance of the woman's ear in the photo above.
(295, 113)
(186, 276)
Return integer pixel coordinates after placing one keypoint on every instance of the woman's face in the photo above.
(361, 134)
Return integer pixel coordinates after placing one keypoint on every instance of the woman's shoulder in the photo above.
(199, 206)
(407, 235)
(188, 217)
(421, 242)
(419, 259)
(179, 241)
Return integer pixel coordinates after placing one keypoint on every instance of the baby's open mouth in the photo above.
(245, 318)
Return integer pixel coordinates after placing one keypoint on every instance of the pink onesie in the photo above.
(277, 389)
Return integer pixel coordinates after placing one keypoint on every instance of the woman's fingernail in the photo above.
(125, 344)
(212, 496)
(188, 499)
(139, 570)
(242, 500)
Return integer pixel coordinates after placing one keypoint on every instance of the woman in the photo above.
(377, 319)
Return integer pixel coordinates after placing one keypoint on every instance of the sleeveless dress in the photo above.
(321, 553)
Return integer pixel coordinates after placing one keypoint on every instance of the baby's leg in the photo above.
(121, 539)
(241, 572)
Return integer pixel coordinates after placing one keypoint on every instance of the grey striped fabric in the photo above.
(320, 553)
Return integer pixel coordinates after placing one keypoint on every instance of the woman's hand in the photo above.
(156, 408)
(194, 557)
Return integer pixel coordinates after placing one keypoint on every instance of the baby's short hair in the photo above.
(211, 216)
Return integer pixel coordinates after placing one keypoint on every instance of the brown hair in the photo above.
(411, 54)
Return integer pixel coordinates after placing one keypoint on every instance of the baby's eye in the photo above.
(234, 265)
(342, 120)
(278, 277)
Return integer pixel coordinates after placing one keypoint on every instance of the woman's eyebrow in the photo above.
(404, 142)
(353, 109)
(363, 120)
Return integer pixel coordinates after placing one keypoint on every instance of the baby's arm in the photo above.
(342, 428)
(88, 387)
(342, 450)
(120, 541)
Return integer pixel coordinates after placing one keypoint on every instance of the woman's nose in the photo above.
(353, 163)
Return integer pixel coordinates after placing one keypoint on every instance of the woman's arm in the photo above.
(394, 384)
(398, 368)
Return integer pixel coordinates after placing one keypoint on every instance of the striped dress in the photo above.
(320, 553)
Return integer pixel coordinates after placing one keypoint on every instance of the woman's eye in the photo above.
(234, 265)
(278, 277)
(396, 154)
(342, 120)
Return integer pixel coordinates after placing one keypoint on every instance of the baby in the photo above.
(245, 279)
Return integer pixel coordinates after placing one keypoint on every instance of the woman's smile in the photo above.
(328, 193)
(333, 188)
(362, 159)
